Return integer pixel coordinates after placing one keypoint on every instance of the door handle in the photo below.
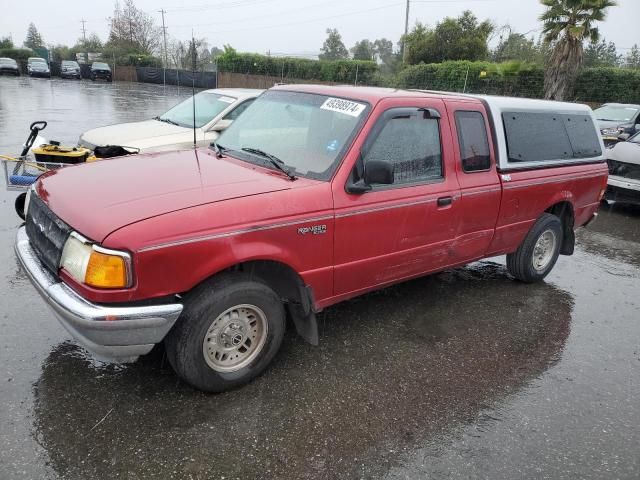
(445, 201)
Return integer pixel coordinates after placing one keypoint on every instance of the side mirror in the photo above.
(221, 125)
(379, 172)
(376, 172)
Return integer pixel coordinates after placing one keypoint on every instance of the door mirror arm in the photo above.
(357, 188)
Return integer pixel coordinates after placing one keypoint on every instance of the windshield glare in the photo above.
(615, 113)
(100, 65)
(308, 132)
(208, 106)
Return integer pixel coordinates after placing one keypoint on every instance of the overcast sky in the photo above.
(295, 27)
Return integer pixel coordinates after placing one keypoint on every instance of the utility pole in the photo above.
(84, 30)
(405, 51)
(164, 34)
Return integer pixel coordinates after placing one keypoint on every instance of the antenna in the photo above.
(193, 84)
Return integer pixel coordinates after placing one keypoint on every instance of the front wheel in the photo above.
(538, 253)
(230, 330)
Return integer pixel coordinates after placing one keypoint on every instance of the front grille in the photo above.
(47, 233)
(626, 170)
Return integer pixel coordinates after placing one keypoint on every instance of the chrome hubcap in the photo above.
(544, 250)
(235, 338)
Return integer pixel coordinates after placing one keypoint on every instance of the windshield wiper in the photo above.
(166, 120)
(219, 149)
(275, 161)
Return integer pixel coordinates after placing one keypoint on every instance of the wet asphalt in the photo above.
(464, 374)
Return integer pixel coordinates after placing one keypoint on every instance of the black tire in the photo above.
(520, 264)
(184, 343)
(19, 204)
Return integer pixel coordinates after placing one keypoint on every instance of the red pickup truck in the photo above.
(313, 196)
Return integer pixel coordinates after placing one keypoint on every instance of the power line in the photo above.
(308, 21)
(276, 14)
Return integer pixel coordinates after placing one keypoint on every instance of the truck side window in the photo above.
(473, 141)
(412, 143)
(235, 113)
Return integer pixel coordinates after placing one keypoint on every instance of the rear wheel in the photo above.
(230, 330)
(538, 253)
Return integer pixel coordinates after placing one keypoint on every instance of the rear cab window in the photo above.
(473, 141)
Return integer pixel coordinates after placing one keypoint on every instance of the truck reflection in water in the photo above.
(394, 369)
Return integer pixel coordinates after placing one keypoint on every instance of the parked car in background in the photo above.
(615, 119)
(70, 69)
(624, 171)
(215, 110)
(100, 70)
(38, 67)
(8, 66)
(315, 195)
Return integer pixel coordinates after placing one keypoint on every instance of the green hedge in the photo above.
(512, 78)
(297, 68)
(594, 85)
(602, 85)
(18, 54)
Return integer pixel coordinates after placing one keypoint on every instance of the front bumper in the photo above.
(115, 334)
(623, 190)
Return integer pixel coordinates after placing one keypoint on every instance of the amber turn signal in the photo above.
(106, 271)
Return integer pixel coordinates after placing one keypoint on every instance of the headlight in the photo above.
(610, 131)
(95, 266)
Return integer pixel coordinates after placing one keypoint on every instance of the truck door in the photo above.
(480, 187)
(405, 229)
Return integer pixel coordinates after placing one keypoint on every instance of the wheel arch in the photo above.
(297, 296)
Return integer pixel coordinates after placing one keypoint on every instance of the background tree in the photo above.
(515, 46)
(333, 47)
(633, 57)
(133, 31)
(385, 56)
(567, 24)
(60, 52)
(462, 38)
(363, 50)
(34, 39)
(91, 44)
(6, 42)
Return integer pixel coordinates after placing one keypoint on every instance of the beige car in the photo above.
(215, 110)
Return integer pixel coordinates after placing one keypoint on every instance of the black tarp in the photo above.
(172, 76)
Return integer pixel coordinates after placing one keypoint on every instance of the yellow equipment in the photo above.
(55, 153)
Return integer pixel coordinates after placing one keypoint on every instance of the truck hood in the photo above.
(138, 134)
(607, 124)
(101, 197)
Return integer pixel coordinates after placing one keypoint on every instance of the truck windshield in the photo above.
(208, 106)
(309, 133)
(615, 113)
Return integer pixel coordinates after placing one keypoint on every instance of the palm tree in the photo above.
(567, 24)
